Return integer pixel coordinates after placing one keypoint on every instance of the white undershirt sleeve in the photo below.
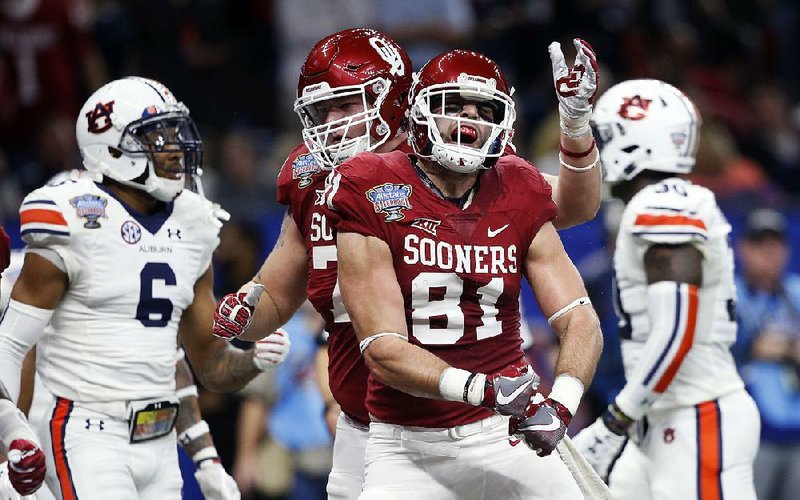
(21, 327)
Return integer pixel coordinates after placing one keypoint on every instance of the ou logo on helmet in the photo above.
(390, 54)
(634, 108)
(131, 232)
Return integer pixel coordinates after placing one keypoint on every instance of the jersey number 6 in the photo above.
(152, 311)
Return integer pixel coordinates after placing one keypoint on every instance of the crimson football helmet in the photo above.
(460, 75)
(356, 62)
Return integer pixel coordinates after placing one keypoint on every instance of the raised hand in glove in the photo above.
(234, 313)
(26, 466)
(542, 426)
(576, 86)
(272, 350)
(215, 483)
(603, 441)
(509, 391)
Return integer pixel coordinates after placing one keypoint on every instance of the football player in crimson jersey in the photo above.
(675, 298)
(116, 272)
(432, 248)
(351, 98)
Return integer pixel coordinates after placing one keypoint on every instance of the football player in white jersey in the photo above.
(683, 405)
(116, 271)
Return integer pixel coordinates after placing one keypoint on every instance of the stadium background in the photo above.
(235, 63)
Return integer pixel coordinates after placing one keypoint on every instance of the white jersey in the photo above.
(676, 211)
(114, 333)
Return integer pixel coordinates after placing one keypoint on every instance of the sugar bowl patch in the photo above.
(303, 168)
(391, 199)
(90, 207)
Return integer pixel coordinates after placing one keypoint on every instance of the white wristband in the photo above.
(568, 391)
(462, 386)
(186, 392)
(579, 169)
(193, 432)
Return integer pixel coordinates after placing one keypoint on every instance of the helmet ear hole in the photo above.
(114, 152)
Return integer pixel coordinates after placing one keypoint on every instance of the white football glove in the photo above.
(600, 446)
(272, 350)
(576, 86)
(215, 483)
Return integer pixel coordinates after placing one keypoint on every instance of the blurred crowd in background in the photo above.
(235, 64)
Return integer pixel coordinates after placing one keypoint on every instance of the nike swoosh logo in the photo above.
(554, 424)
(494, 232)
(502, 399)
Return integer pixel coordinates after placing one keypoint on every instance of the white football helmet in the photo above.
(645, 125)
(124, 122)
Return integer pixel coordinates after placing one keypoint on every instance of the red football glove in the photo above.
(542, 426)
(509, 391)
(234, 313)
(26, 466)
(5, 250)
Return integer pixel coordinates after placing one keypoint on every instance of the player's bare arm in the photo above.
(195, 438)
(40, 284)
(681, 263)
(577, 194)
(562, 298)
(189, 410)
(374, 301)
(557, 284)
(576, 190)
(219, 366)
(283, 276)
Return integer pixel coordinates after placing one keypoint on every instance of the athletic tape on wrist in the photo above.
(583, 301)
(372, 338)
(193, 432)
(462, 386)
(186, 392)
(207, 453)
(568, 391)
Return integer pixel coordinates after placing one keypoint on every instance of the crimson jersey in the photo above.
(5, 250)
(300, 185)
(459, 270)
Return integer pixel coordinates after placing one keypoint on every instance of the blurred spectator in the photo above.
(243, 184)
(424, 28)
(769, 348)
(775, 139)
(299, 25)
(287, 404)
(734, 179)
(47, 64)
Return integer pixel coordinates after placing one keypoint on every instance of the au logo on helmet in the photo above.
(634, 108)
(99, 119)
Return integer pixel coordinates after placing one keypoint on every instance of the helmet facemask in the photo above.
(165, 133)
(460, 153)
(311, 108)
